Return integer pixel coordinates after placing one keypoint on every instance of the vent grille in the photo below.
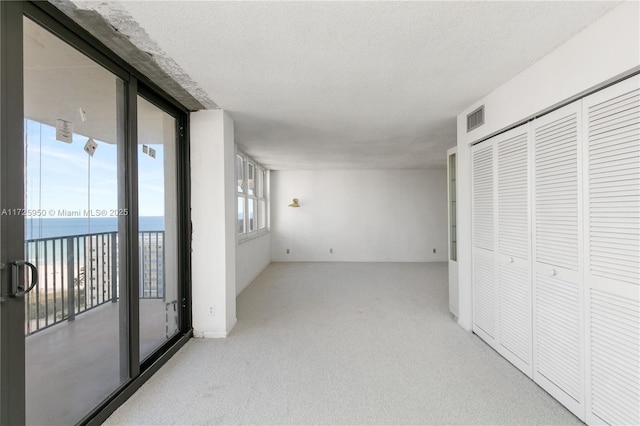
(475, 119)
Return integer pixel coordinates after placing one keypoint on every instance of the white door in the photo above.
(612, 255)
(483, 274)
(513, 260)
(558, 311)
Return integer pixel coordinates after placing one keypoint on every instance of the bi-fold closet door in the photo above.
(586, 227)
(485, 316)
(612, 253)
(558, 307)
(556, 251)
(501, 248)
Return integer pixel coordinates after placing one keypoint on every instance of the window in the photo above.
(252, 191)
(251, 223)
(453, 247)
(251, 172)
(240, 172)
(262, 199)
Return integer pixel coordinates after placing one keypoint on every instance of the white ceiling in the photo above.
(349, 85)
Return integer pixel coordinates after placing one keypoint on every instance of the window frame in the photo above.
(260, 197)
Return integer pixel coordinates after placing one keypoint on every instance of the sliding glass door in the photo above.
(75, 326)
(93, 254)
(157, 224)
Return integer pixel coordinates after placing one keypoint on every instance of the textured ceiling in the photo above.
(349, 85)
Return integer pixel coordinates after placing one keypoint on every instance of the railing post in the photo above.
(143, 266)
(114, 267)
(71, 293)
(164, 266)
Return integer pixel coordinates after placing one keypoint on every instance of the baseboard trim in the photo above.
(215, 334)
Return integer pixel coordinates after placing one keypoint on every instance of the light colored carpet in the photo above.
(342, 343)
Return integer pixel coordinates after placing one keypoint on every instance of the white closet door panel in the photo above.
(484, 297)
(483, 214)
(558, 339)
(513, 259)
(612, 255)
(558, 306)
(615, 358)
(483, 197)
(556, 188)
(613, 176)
(513, 195)
(515, 315)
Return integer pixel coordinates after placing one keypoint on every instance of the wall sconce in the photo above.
(295, 203)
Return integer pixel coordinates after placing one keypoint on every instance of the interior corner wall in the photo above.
(363, 215)
(608, 48)
(252, 257)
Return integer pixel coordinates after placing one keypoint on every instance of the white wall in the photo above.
(213, 200)
(604, 50)
(363, 215)
(252, 256)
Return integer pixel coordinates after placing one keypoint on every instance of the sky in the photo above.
(62, 176)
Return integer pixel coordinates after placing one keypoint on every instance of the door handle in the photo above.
(18, 289)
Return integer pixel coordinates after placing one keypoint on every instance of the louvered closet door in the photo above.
(484, 277)
(612, 255)
(513, 258)
(558, 308)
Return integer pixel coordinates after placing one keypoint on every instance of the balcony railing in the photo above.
(80, 272)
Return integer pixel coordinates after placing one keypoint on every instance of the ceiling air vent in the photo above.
(475, 119)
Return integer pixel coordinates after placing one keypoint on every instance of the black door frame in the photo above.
(12, 349)
(12, 339)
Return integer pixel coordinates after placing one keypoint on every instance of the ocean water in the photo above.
(62, 227)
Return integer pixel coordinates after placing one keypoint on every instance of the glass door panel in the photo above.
(75, 327)
(158, 241)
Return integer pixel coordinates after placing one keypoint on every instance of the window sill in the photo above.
(240, 239)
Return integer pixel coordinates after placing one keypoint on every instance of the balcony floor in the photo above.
(74, 365)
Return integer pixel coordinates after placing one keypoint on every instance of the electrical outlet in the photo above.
(288, 251)
(434, 250)
(331, 250)
(212, 311)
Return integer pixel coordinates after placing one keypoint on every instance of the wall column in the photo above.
(463, 229)
(213, 200)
